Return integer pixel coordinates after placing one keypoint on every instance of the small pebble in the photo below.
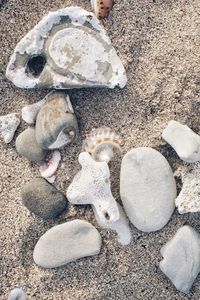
(43, 199)
(17, 294)
(65, 243)
(8, 126)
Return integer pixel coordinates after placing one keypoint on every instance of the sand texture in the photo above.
(159, 44)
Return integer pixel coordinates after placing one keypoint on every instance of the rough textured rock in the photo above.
(181, 258)
(148, 188)
(91, 185)
(56, 124)
(43, 199)
(188, 199)
(28, 147)
(59, 52)
(65, 243)
(184, 141)
(8, 126)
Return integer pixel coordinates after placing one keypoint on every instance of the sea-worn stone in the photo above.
(17, 294)
(185, 142)
(59, 52)
(43, 199)
(67, 242)
(148, 188)
(8, 126)
(28, 147)
(181, 258)
(29, 112)
(56, 124)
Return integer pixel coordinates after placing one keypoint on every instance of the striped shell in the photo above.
(102, 8)
(102, 143)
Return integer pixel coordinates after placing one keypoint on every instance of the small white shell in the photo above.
(48, 169)
(102, 143)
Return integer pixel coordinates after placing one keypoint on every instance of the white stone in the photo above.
(188, 199)
(65, 243)
(8, 126)
(181, 258)
(121, 226)
(147, 188)
(185, 142)
(29, 112)
(17, 294)
(67, 49)
(92, 186)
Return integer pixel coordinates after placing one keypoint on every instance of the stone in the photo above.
(28, 147)
(8, 125)
(185, 142)
(29, 112)
(121, 226)
(56, 124)
(188, 199)
(43, 199)
(147, 188)
(66, 243)
(92, 185)
(181, 258)
(17, 294)
(59, 53)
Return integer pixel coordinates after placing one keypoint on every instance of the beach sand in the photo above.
(159, 44)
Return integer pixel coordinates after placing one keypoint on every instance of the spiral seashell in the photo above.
(102, 143)
(102, 8)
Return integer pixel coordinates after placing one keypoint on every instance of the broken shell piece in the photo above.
(92, 186)
(48, 168)
(102, 143)
(17, 294)
(8, 126)
(189, 198)
(59, 52)
(185, 142)
(102, 8)
(29, 112)
(56, 124)
(121, 226)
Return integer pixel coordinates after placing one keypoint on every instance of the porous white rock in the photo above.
(147, 188)
(185, 142)
(92, 186)
(67, 49)
(121, 226)
(8, 126)
(181, 258)
(67, 242)
(17, 294)
(188, 199)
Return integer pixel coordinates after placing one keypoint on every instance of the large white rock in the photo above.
(148, 188)
(185, 142)
(65, 243)
(67, 49)
(181, 258)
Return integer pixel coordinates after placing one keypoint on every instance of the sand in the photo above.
(158, 42)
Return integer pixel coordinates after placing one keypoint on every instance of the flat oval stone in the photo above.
(28, 147)
(148, 188)
(43, 199)
(65, 243)
(181, 258)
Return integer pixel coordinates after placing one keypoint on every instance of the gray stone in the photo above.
(148, 189)
(181, 263)
(59, 52)
(56, 124)
(28, 147)
(65, 243)
(185, 142)
(43, 199)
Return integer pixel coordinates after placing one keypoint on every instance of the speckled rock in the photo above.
(8, 126)
(43, 199)
(181, 258)
(65, 243)
(148, 189)
(28, 147)
(56, 124)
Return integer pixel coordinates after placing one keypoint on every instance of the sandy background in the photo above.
(159, 43)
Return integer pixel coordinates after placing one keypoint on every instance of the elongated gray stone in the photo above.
(65, 243)
(147, 188)
(181, 258)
